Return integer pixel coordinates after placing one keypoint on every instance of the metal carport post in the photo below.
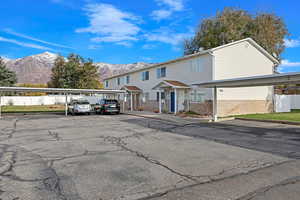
(124, 97)
(0, 104)
(215, 104)
(66, 104)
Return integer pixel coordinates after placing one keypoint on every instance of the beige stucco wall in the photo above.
(242, 60)
(239, 107)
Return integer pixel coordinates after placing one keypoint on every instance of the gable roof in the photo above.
(131, 88)
(171, 83)
(209, 51)
(255, 44)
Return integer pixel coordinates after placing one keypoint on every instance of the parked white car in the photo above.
(79, 106)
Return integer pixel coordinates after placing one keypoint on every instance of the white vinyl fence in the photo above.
(285, 103)
(44, 100)
(295, 101)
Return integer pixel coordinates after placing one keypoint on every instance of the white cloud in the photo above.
(11, 32)
(148, 46)
(290, 43)
(24, 44)
(176, 5)
(168, 36)
(287, 63)
(110, 24)
(171, 7)
(125, 44)
(147, 59)
(161, 14)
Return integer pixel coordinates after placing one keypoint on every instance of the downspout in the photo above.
(215, 90)
(273, 91)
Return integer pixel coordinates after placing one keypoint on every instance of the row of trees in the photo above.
(231, 24)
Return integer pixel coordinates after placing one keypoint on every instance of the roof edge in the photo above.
(253, 42)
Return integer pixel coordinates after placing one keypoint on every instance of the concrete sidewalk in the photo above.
(168, 117)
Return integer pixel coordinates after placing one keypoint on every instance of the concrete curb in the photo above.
(149, 117)
(167, 120)
(224, 119)
(269, 121)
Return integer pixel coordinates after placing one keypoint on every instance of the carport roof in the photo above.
(60, 90)
(265, 80)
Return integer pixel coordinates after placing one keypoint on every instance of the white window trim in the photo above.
(159, 74)
(194, 100)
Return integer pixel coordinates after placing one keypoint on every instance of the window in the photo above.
(106, 84)
(127, 79)
(195, 65)
(145, 76)
(145, 97)
(162, 96)
(161, 72)
(121, 80)
(197, 96)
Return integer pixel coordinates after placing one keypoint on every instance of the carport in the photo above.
(252, 81)
(65, 91)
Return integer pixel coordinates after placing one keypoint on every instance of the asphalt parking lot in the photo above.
(127, 157)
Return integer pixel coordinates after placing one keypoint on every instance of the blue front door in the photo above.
(172, 101)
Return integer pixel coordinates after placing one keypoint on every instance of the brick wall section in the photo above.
(150, 105)
(225, 107)
(205, 108)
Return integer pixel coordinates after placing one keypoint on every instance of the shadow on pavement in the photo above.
(283, 141)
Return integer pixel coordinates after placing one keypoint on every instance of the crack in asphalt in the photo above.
(9, 131)
(51, 161)
(118, 141)
(51, 183)
(264, 190)
(163, 193)
(55, 135)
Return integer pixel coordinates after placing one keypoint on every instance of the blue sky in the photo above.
(124, 31)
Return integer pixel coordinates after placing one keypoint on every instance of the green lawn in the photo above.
(293, 116)
(31, 109)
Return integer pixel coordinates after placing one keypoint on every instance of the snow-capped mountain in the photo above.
(5, 60)
(105, 70)
(37, 68)
(33, 69)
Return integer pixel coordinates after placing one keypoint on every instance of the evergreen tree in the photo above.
(7, 77)
(75, 72)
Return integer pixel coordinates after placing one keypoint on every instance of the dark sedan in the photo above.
(107, 106)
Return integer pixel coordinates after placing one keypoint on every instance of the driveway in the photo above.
(128, 157)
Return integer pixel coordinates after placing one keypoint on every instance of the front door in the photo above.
(172, 101)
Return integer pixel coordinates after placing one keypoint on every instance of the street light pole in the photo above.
(66, 105)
